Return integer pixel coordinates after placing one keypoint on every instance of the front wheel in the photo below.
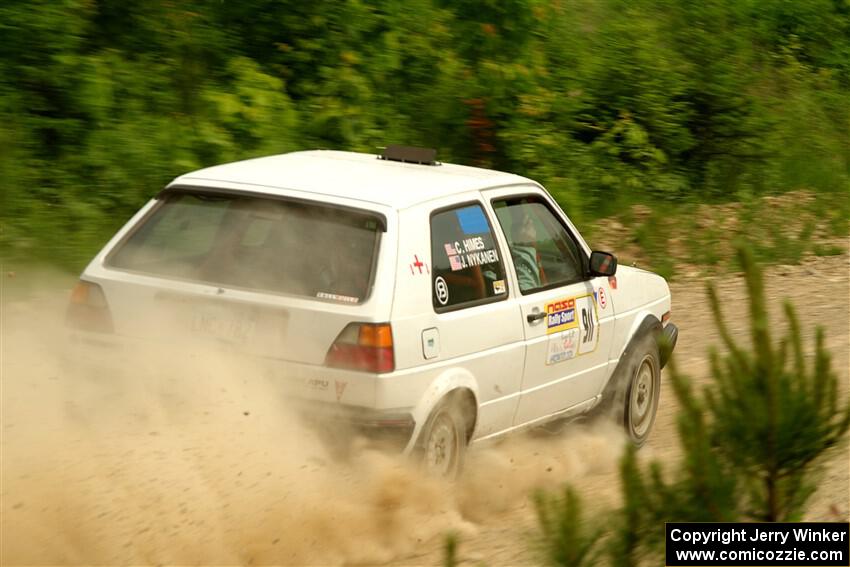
(639, 401)
(444, 443)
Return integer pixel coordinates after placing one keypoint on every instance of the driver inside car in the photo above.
(526, 257)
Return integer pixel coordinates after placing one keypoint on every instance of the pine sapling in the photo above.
(771, 419)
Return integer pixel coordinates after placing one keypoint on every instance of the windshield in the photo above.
(306, 249)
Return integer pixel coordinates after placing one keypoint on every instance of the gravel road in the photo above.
(140, 465)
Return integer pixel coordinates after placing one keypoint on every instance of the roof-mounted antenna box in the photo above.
(410, 154)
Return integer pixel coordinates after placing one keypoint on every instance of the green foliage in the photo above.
(752, 439)
(828, 250)
(629, 530)
(773, 415)
(703, 240)
(565, 539)
(450, 551)
(606, 103)
(778, 232)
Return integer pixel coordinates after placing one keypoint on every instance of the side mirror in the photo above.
(602, 264)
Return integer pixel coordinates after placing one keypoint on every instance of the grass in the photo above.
(827, 250)
(670, 239)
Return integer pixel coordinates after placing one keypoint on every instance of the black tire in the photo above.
(443, 442)
(639, 388)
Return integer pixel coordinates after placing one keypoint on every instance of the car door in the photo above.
(567, 316)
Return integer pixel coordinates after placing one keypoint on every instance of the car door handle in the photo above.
(534, 317)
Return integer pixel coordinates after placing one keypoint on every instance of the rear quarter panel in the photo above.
(480, 348)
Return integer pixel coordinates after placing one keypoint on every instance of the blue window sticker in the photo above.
(472, 220)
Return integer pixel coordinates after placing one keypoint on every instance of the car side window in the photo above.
(467, 268)
(543, 252)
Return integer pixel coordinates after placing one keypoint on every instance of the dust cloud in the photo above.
(149, 457)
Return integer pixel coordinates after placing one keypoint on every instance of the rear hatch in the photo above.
(265, 276)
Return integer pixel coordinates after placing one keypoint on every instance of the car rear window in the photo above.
(306, 249)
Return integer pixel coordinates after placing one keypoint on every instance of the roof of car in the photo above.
(351, 175)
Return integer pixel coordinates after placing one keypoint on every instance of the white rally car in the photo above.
(438, 304)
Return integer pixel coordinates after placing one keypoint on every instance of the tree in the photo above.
(772, 418)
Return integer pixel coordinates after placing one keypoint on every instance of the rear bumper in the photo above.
(338, 423)
(392, 429)
(667, 342)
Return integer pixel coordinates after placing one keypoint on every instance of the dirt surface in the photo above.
(128, 461)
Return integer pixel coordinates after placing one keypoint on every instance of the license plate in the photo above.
(233, 326)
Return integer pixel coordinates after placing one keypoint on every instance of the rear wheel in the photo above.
(444, 442)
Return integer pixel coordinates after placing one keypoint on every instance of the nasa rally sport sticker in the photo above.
(442, 290)
(572, 326)
(560, 315)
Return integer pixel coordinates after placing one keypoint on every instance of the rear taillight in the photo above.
(363, 346)
(87, 309)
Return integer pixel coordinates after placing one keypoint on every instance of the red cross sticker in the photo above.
(419, 265)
